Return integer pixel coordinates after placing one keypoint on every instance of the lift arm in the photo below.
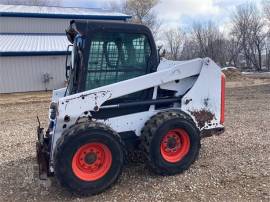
(91, 100)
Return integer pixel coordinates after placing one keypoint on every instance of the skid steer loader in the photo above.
(122, 96)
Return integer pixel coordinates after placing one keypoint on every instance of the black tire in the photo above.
(152, 136)
(69, 144)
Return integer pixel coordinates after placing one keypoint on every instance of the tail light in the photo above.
(222, 109)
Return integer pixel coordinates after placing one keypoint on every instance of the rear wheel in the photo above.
(88, 158)
(175, 145)
(171, 142)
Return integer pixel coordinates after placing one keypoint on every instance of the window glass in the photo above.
(115, 57)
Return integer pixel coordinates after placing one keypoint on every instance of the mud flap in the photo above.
(42, 155)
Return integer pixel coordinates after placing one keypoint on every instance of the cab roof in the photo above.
(86, 27)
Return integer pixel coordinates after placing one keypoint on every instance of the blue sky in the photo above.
(179, 12)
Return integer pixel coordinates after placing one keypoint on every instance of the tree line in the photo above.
(245, 45)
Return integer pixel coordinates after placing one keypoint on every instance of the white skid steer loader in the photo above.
(120, 97)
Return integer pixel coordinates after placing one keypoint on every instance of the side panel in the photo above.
(132, 122)
(203, 101)
(33, 25)
(23, 74)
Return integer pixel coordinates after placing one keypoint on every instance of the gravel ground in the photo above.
(232, 167)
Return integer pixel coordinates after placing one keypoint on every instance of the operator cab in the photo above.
(108, 52)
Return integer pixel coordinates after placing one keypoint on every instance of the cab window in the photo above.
(115, 57)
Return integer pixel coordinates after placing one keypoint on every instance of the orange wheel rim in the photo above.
(175, 145)
(92, 161)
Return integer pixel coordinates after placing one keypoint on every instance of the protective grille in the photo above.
(115, 57)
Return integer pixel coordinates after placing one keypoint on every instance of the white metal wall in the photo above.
(25, 73)
(33, 25)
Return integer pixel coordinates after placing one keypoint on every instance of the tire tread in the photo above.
(149, 130)
(68, 135)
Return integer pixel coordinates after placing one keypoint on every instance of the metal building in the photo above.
(33, 45)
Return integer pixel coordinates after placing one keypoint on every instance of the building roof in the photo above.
(59, 12)
(33, 44)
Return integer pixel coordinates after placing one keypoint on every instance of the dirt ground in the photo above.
(232, 167)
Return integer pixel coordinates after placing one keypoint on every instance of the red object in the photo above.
(92, 161)
(222, 111)
(175, 145)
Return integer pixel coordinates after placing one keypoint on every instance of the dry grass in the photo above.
(231, 167)
(233, 74)
(236, 79)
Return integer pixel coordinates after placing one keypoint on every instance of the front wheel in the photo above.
(89, 158)
(170, 142)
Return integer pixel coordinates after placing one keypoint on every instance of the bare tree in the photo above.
(190, 48)
(32, 2)
(232, 51)
(266, 6)
(141, 11)
(267, 55)
(249, 28)
(174, 39)
(206, 40)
